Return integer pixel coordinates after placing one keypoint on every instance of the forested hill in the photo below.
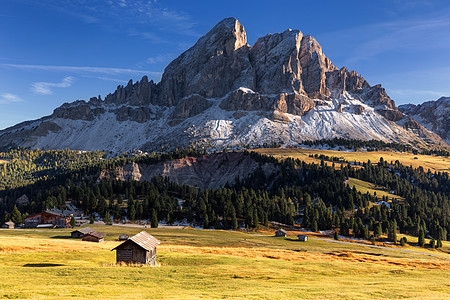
(313, 195)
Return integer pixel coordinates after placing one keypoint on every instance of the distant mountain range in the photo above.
(434, 115)
(224, 93)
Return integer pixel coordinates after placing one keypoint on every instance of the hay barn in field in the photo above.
(81, 232)
(140, 248)
(302, 237)
(281, 232)
(94, 236)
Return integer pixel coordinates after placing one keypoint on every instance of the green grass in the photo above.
(211, 264)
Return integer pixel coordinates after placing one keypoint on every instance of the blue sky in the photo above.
(56, 51)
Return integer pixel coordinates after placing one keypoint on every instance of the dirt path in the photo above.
(388, 248)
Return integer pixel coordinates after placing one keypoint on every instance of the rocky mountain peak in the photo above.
(225, 92)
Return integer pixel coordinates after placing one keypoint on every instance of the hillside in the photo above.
(223, 92)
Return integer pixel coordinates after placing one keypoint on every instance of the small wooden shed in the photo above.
(302, 237)
(280, 232)
(140, 248)
(9, 225)
(94, 236)
(81, 232)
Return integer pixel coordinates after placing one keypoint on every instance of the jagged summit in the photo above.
(224, 92)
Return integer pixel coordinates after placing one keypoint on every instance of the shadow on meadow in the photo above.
(46, 265)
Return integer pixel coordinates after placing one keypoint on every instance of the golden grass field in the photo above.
(364, 187)
(212, 264)
(434, 163)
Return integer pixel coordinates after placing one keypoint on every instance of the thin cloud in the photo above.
(101, 70)
(45, 88)
(121, 15)
(365, 42)
(7, 98)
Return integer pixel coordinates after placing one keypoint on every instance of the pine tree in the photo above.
(421, 240)
(91, 220)
(336, 236)
(377, 231)
(234, 222)
(154, 219)
(16, 216)
(107, 218)
(314, 226)
(72, 222)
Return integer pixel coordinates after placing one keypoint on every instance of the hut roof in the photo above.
(281, 230)
(301, 235)
(84, 230)
(96, 234)
(9, 223)
(144, 240)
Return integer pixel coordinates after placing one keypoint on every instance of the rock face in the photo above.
(209, 171)
(434, 115)
(226, 93)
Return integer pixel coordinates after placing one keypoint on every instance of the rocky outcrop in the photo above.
(46, 127)
(245, 100)
(359, 109)
(206, 172)
(139, 114)
(295, 104)
(140, 93)
(391, 114)
(78, 110)
(434, 115)
(189, 107)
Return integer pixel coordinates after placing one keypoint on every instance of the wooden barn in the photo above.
(140, 248)
(281, 232)
(81, 232)
(94, 236)
(302, 237)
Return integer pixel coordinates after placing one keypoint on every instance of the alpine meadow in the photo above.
(228, 162)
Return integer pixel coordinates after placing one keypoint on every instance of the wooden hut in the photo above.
(140, 248)
(94, 236)
(281, 232)
(302, 237)
(9, 225)
(81, 232)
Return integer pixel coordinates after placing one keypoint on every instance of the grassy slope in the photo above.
(213, 264)
(364, 187)
(435, 163)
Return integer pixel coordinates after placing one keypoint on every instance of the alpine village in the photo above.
(248, 170)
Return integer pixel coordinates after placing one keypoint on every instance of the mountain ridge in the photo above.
(225, 93)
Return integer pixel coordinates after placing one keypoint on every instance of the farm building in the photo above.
(80, 232)
(9, 225)
(140, 248)
(123, 237)
(93, 236)
(302, 237)
(48, 218)
(280, 232)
